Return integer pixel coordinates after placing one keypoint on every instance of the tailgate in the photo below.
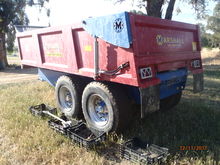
(158, 36)
(163, 45)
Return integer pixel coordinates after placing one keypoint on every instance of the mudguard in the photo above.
(150, 99)
(198, 82)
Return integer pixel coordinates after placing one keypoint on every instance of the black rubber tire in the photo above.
(170, 102)
(76, 94)
(116, 101)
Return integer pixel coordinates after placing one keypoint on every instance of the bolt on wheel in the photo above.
(65, 98)
(97, 110)
(68, 96)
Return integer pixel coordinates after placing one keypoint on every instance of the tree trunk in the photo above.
(3, 57)
(169, 12)
(154, 8)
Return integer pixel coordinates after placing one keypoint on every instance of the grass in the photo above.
(212, 72)
(195, 121)
(34, 142)
(191, 123)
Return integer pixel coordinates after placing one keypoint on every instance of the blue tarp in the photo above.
(114, 29)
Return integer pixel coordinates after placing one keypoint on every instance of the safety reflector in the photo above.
(146, 73)
(196, 63)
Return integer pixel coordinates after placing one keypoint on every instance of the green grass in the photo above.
(212, 72)
(189, 124)
(28, 140)
(35, 142)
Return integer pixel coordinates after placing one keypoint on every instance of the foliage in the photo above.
(205, 37)
(154, 7)
(12, 12)
(213, 24)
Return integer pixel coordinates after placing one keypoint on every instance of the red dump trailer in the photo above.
(100, 65)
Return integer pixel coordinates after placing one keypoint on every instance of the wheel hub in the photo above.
(65, 98)
(98, 111)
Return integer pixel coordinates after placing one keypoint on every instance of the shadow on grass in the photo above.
(212, 71)
(189, 124)
(17, 70)
(110, 151)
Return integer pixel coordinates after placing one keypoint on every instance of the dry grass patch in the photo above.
(211, 56)
(30, 141)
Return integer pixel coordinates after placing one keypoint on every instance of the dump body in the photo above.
(160, 44)
(151, 54)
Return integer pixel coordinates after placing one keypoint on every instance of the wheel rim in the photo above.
(97, 110)
(65, 98)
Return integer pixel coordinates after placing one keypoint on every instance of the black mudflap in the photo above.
(198, 82)
(150, 99)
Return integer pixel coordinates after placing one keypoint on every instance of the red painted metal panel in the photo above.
(27, 53)
(155, 35)
(163, 40)
(171, 65)
(161, 44)
(52, 49)
(84, 47)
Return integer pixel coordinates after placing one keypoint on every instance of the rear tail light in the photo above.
(146, 73)
(196, 63)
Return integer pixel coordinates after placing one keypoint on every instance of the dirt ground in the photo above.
(15, 74)
(210, 56)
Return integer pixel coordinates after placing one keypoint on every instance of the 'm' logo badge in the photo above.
(118, 25)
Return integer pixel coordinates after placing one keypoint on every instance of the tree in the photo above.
(154, 7)
(213, 24)
(206, 38)
(12, 12)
